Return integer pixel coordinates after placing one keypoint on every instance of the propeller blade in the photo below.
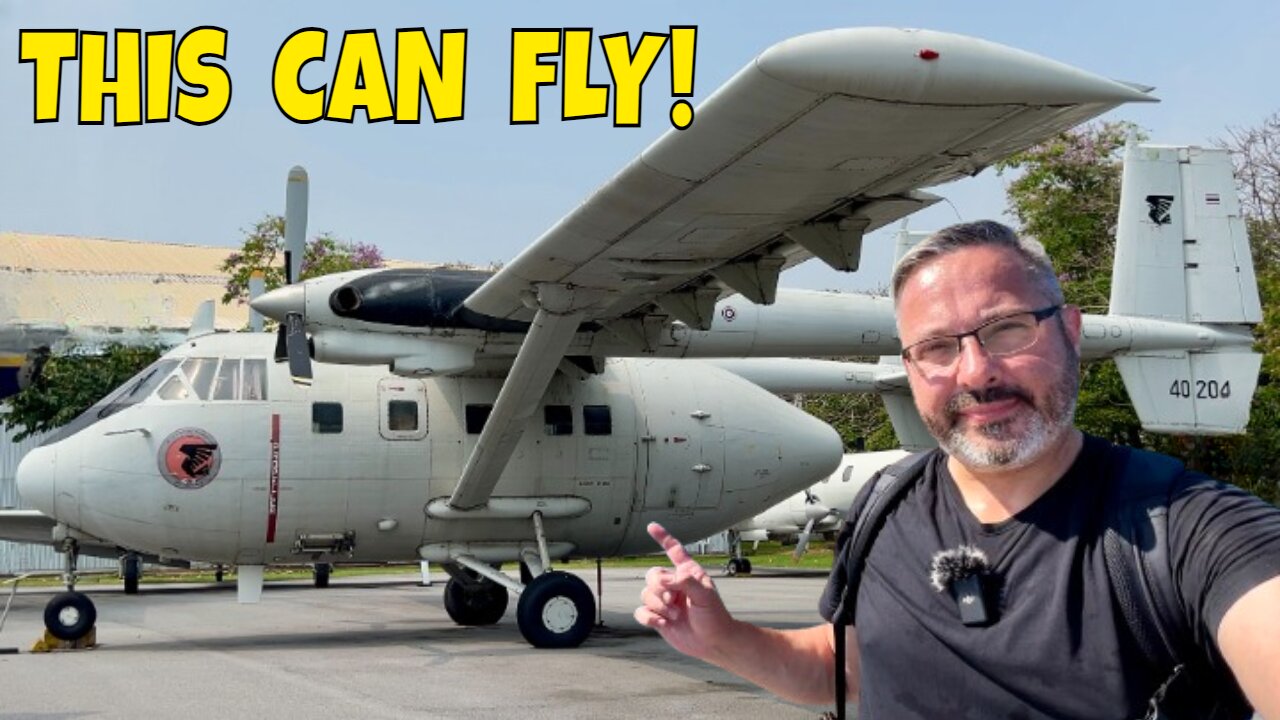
(295, 223)
(296, 347)
(802, 543)
(282, 352)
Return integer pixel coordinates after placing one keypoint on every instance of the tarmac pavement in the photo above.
(376, 648)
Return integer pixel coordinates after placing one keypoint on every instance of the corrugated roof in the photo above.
(64, 253)
(96, 283)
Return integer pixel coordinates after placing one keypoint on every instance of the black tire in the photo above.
(131, 570)
(483, 603)
(556, 610)
(321, 573)
(746, 566)
(732, 567)
(70, 616)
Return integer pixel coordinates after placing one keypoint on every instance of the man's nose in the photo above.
(975, 368)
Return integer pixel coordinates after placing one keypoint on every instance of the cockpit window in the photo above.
(227, 381)
(130, 393)
(219, 380)
(200, 373)
(134, 391)
(175, 388)
(253, 380)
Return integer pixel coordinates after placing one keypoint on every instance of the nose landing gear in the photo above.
(70, 616)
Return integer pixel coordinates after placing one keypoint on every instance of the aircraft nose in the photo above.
(811, 447)
(35, 479)
(280, 302)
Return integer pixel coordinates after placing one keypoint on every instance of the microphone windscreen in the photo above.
(949, 566)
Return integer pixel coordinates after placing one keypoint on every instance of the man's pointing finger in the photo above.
(675, 551)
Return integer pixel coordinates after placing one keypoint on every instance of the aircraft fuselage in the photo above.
(218, 457)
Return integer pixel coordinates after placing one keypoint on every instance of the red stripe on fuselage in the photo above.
(273, 490)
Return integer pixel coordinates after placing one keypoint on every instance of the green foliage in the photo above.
(71, 383)
(263, 250)
(860, 419)
(1067, 196)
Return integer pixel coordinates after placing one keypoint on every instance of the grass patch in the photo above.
(767, 555)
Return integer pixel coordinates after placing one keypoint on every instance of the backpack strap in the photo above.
(887, 487)
(1136, 548)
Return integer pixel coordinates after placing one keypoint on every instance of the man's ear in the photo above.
(1071, 323)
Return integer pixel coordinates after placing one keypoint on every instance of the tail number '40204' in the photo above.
(1204, 389)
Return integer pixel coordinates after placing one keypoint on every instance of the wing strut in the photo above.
(550, 335)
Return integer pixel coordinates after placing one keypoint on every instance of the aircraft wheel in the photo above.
(745, 566)
(322, 571)
(131, 567)
(556, 610)
(737, 566)
(481, 604)
(70, 616)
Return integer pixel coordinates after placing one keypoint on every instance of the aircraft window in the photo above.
(326, 417)
(597, 420)
(200, 372)
(402, 415)
(130, 393)
(227, 380)
(847, 475)
(476, 417)
(175, 388)
(559, 419)
(253, 380)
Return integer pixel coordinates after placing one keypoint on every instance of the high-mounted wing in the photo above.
(819, 140)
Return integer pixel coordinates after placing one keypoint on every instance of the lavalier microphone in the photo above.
(960, 571)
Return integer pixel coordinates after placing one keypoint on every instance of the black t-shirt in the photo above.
(1058, 647)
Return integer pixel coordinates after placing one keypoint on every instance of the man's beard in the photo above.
(999, 444)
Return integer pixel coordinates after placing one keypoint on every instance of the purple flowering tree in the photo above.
(263, 250)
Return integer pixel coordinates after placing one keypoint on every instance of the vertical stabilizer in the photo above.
(1182, 255)
(1181, 249)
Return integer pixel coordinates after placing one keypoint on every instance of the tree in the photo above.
(263, 250)
(860, 418)
(74, 380)
(71, 383)
(1067, 196)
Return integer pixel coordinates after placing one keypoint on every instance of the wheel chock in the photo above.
(49, 643)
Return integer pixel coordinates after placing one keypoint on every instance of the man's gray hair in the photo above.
(976, 234)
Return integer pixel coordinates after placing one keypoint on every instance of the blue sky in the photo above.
(480, 189)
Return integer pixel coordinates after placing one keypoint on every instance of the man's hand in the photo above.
(682, 604)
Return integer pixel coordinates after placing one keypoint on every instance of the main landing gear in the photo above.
(473, 600)
(737, 565)
(556, 609)
(70, 616)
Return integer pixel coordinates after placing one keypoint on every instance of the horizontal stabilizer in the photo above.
(803, 375)
(1193, 393)
(907, 425)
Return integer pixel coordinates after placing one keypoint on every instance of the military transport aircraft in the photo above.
(530, 414)
(819, 508)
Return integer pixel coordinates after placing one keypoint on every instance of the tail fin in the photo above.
(1182, 255)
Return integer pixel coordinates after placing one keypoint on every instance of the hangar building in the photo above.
(55, 290)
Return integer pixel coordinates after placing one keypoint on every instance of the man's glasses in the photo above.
(1005, 335)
